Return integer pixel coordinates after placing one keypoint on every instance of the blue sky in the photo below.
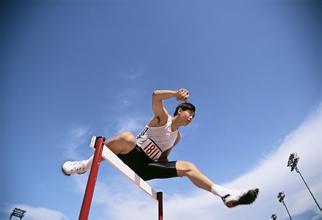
(73, 69)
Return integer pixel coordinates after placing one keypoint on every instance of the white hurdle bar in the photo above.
(101, 151)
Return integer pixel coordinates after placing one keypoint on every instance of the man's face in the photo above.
(186, 116)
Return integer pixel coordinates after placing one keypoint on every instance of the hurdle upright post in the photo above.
(86, 205)
(160, 205)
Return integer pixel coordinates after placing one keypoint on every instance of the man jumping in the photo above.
(147, 154)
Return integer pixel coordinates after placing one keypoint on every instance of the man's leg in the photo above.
(119, 144)
(189, 170)
(230, 197)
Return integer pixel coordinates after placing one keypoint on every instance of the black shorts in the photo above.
(147, 168)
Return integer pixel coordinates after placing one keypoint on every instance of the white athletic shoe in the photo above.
(71, 167)
(244, 199)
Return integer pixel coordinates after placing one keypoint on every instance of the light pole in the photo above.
(281, 197)
(292, 162)
(274, 216)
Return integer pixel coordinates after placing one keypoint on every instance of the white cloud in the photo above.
(41, 213)
(121, 201)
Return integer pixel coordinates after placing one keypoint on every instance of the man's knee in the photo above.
(128, 138)
(127, 142)
(122, 143)
(185, 167)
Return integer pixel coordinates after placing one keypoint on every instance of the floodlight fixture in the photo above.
(17, 213)
(274, 216)
(290, 160)
(281, 196)
(293, 161)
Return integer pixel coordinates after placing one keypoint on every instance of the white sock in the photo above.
(222, 191)
(88, 162)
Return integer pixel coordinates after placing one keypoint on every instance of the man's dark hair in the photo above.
(185, 106)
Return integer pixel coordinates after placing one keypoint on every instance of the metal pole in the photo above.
(160, 205)
(287, 210)
(316, 202)
(86, 205)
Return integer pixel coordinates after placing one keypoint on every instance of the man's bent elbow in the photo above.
(155, 93)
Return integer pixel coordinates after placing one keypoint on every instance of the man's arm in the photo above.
(160, 113)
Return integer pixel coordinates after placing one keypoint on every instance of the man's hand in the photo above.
(182, 95)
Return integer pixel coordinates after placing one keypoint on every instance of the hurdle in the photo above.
(97, 143)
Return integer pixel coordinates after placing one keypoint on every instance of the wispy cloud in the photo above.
(125, 115)
(271, 175)
(134, 124)
(76, 138)
(41, 213)
(135, 74)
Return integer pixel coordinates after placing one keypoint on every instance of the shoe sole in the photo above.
(245, 199)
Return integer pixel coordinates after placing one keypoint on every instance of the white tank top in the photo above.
(155, 140)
